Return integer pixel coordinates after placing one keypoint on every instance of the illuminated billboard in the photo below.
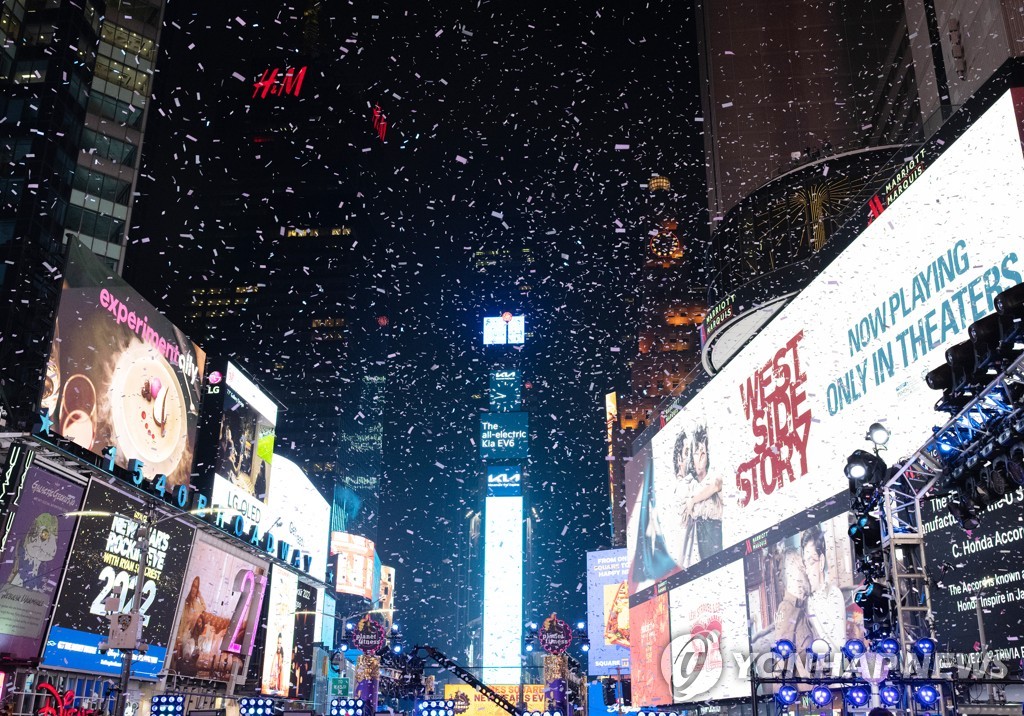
(505, 329)
(246, 441)
(649, 644)
(504, 481)
(278, 649)
(503, 589)
(302, 514)
(768, 436)
(307, 629)
(709, 631)
(121, 374)
(504, 436)
(34, 541)
(608, 612)
(354, 573)
(104, 556)
(479, 705)
(505, 390)
(983, 561)
(219, 610)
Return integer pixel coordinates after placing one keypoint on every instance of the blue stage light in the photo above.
(927, 695)
(787, 695)
(887, 646)
(854, 648)
(821, 695)
(857, 696)
(784, 648)
(890, 695)
(924, 647)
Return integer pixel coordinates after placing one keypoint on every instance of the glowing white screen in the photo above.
(503, 589)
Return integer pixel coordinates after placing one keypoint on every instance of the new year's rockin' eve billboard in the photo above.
(768, 437)
(608, 612)
(121, 374)
(105, 556)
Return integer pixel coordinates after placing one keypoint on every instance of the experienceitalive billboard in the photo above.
(608, 612)
(35, 546)
(220, 605)
(121, 374)
(104, 556)
(768, 436)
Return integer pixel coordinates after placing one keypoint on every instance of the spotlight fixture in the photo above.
(581, 625)
(784, 648)
(890, 695)
(924, 647)
(887, 646)
(396, 648)
(821, 695)
(819, 647)
(584, 647)
(436, 707)
(878, 434)
(347, 707)
(787, 695)
(529, 647)
(854, 648)
(865, 466)
(857, 696)
(927, 695)
(167, 705)
(257, 707)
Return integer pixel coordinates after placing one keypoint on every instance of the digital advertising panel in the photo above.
(505, 329)
(504, 436)
(503, 589)
(247, 431)
(800, 581)
(121, 374)
(220, 606)
(104, 557)
(984, 563)
(504, 481)
(649, 652)
(768, 436)
(708, 617)
(354, 573)
(301, 514)
(306, 631)
(608, 612)
(35, 546)
(505, 390)
(278, 650)
(478, 705)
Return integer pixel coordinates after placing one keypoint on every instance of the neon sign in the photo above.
(279, 85)
(63, 704)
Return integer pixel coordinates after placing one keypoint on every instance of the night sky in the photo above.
(521, 124)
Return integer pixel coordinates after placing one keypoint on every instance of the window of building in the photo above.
(115, 110)
(109, 148)
(118, 73)
(131, 42)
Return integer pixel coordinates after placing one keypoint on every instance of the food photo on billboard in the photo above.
(608, 612)
(104, 558)
(220, 604)
(121, 374)
(800, 587)
(34, 550)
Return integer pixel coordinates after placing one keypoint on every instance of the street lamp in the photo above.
(126, 629)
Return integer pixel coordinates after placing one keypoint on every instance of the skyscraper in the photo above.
(76, 85)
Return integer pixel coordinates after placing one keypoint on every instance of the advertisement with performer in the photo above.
(247, 433)
(800, 586)
(768, 436)
(277, 652)
(35, 548)
(305, 632)
(121, 374)
(104, 558)
(220, 605)
(608, 612)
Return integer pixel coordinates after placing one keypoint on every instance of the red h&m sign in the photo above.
(276, 84)
(380, 122)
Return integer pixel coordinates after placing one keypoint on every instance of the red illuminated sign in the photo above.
(276, 84)
(63, 704)
(380, 122)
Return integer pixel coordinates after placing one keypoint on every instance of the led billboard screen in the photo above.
(36, 537)
(985, 561)
(306, 632)
(768, 436)
(220, 605)
(504, 436)
(505, 390)
(480, 705)
(277, 654)
(503, 589)
(800, 581)
(649, 646)
(104, 556)
(504, 481)
(504, 330)
(246, 441)
(608, 612)
(121, 374)
(302, 514)
(354, 573)
(709, 631)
